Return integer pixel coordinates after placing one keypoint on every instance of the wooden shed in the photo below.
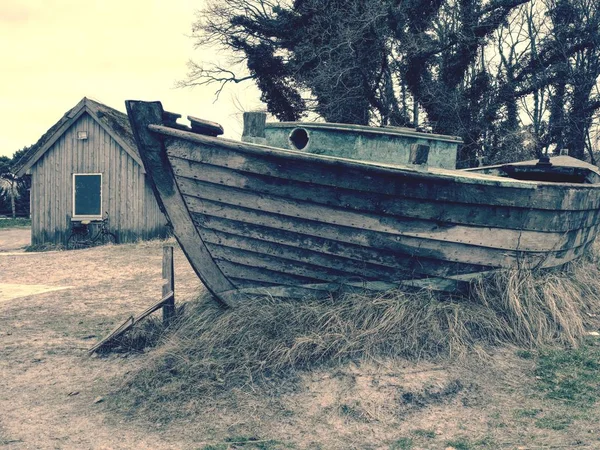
(87, 165)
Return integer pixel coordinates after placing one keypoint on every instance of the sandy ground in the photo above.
(14, 239)
(50, 387)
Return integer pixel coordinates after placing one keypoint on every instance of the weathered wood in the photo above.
(428, 230)
(418, 154)
(457, 213)
(206, 127)
(170, 118)
(400, 259)
(167, 193)
(443, 185)
(116, 332)
(224, 244)
(166, 299)
(307, 291)
(58, 158)
(131, 321)
(235, 269)
(254, 127)
(406, 247)
(168, 274)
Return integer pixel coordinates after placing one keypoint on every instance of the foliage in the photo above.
(14, 191)
(15, 223)
(5, 163)
(511, 77)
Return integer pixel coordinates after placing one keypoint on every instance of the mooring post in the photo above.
(254, 128)
(168, 274)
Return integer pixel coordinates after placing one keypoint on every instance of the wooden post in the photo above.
(254, 127)
(168, 274)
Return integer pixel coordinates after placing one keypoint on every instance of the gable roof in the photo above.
(114, 122)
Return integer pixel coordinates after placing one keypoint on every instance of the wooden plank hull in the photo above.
(255, 219)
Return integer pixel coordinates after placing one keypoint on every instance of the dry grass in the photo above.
(212, 349)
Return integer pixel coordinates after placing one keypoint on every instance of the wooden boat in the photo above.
(254, 219)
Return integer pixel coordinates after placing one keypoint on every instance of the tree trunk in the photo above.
(12, 198)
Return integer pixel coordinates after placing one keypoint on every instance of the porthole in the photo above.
(299, 138)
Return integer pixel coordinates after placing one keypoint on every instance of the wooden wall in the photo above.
(128, 198)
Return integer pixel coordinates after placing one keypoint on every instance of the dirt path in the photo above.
(49, 385)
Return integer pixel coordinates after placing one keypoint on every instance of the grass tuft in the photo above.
(460, 443)
(18, 222)
(554, 422)
(212, 349)
(572, 376)
(403, 443)
(429, 434)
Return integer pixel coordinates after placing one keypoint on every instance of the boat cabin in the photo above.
(388, 145)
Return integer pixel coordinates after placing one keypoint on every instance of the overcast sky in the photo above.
(55, 52)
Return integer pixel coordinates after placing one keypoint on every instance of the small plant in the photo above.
(486, 441)
(460, 443)
(353, 411)
(45, 247)
(239, 442)
(403, 443)
(429, 434)
(524, 354)
(252, 443)
(554, 422)
(521, 413)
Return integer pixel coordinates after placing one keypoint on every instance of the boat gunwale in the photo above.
(364, 129)
(388, 169)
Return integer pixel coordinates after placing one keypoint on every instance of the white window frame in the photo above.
(85, 217)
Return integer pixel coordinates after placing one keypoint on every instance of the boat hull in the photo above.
(255, 219)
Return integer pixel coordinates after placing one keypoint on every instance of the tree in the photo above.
(13, 188)
(498, 73)
(444, 65)
(561, 71)
(8, 183)
(331, 57)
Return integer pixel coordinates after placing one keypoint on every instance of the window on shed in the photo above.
(87, 195)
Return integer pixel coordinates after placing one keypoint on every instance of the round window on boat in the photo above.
(299, 138)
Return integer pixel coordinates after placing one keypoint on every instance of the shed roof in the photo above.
(114, 122)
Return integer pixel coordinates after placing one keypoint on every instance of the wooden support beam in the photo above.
(167, 303)
(131, 321)
(254, 128)
(168, 274)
